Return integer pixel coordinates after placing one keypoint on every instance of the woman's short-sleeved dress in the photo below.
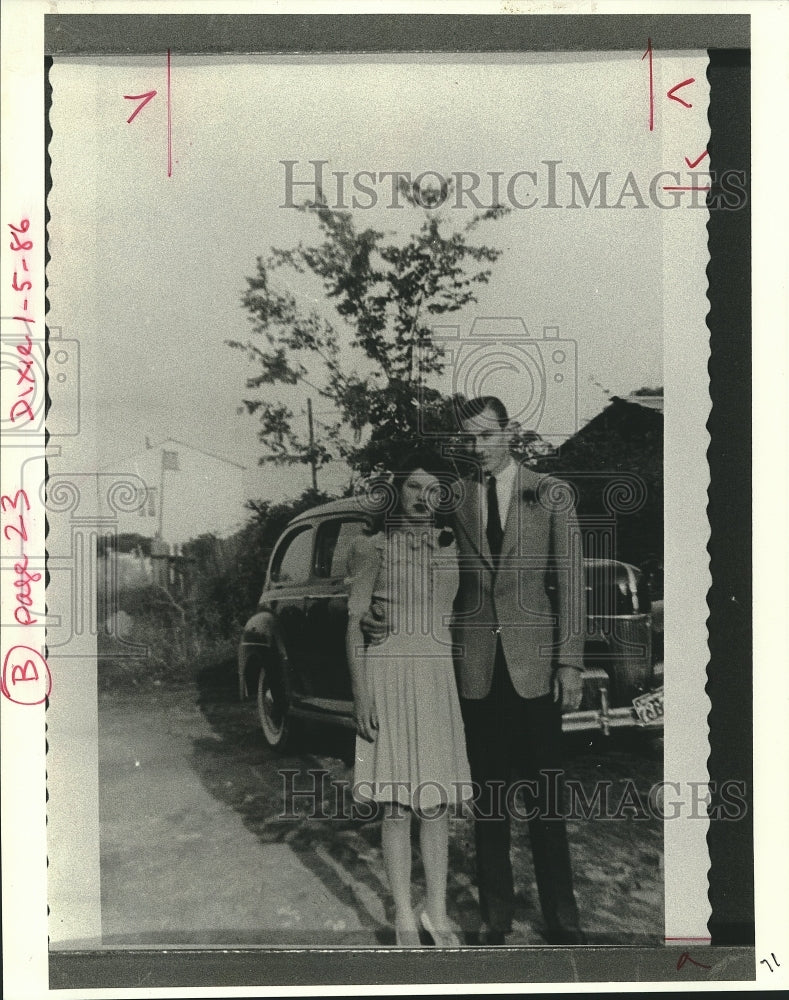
(419, 755)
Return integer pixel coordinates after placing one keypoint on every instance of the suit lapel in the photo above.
(518, 521)
(469, 516)
(510, 539)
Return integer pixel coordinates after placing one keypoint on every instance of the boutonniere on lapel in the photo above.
(529, 496)
(446, 537)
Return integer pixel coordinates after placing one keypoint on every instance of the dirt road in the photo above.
(195, 850)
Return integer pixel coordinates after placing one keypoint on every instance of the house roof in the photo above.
(620, 412)
(181, 444)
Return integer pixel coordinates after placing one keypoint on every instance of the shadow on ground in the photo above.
(617, 863)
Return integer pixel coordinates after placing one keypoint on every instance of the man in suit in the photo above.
(518, 636)
(518, 633)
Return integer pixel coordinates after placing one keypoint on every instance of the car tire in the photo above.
(272, 712)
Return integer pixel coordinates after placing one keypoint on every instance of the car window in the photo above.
(334, 542)
(292, 560)
(611, 591)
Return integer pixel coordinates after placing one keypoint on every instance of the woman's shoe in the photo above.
(407, 937)
(441, 938)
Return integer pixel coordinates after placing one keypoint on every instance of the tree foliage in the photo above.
(368, 355)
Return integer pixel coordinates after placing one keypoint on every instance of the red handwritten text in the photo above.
(23, 227)
(16, 528)
(26, 677)
(24, 598)
(26, 377)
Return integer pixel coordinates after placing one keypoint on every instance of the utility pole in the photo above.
(313, 459)
(161, 497)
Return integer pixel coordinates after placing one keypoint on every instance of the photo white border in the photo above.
(23, 813)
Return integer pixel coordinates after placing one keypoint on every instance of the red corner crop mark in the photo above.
(651, 85)
(149, 96)
(169, 116)
(684, 958)
(145, 98)
(671, 96)
(696, 162)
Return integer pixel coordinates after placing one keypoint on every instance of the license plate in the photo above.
(649, 707)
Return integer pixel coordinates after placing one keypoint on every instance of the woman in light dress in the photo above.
(410, 746)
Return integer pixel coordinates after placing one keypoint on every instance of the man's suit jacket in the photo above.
(534, 601)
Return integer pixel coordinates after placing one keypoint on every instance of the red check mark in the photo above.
(696, 162)
(672, 96)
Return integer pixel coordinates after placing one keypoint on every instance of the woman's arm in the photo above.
(363, 565)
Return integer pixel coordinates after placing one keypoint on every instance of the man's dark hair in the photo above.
(467, 409)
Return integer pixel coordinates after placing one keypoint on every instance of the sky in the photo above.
(148, 270)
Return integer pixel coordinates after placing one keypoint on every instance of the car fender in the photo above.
(261, 640)
(258, 639)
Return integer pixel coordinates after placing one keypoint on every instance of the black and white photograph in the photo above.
(369, 426)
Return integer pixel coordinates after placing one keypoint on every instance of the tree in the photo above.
(385, 294)
(529, 447)
(269, 520)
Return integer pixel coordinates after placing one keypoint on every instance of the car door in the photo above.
(327, 612)
(289, 578)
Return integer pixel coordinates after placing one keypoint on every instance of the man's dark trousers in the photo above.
(509, 737)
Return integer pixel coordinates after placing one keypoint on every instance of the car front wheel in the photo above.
(272, 711)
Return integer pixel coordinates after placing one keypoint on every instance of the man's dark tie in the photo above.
(494, 530)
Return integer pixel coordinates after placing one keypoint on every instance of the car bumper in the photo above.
(597, 713)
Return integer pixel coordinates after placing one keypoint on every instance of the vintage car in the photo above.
(292, 652)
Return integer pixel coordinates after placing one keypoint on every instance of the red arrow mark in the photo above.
(696, 162)
(145, 98)
(671, 97)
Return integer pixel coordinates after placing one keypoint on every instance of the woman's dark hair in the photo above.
(428, 461)
(433, 464)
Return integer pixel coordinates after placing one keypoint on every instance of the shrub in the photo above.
(177, 632)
